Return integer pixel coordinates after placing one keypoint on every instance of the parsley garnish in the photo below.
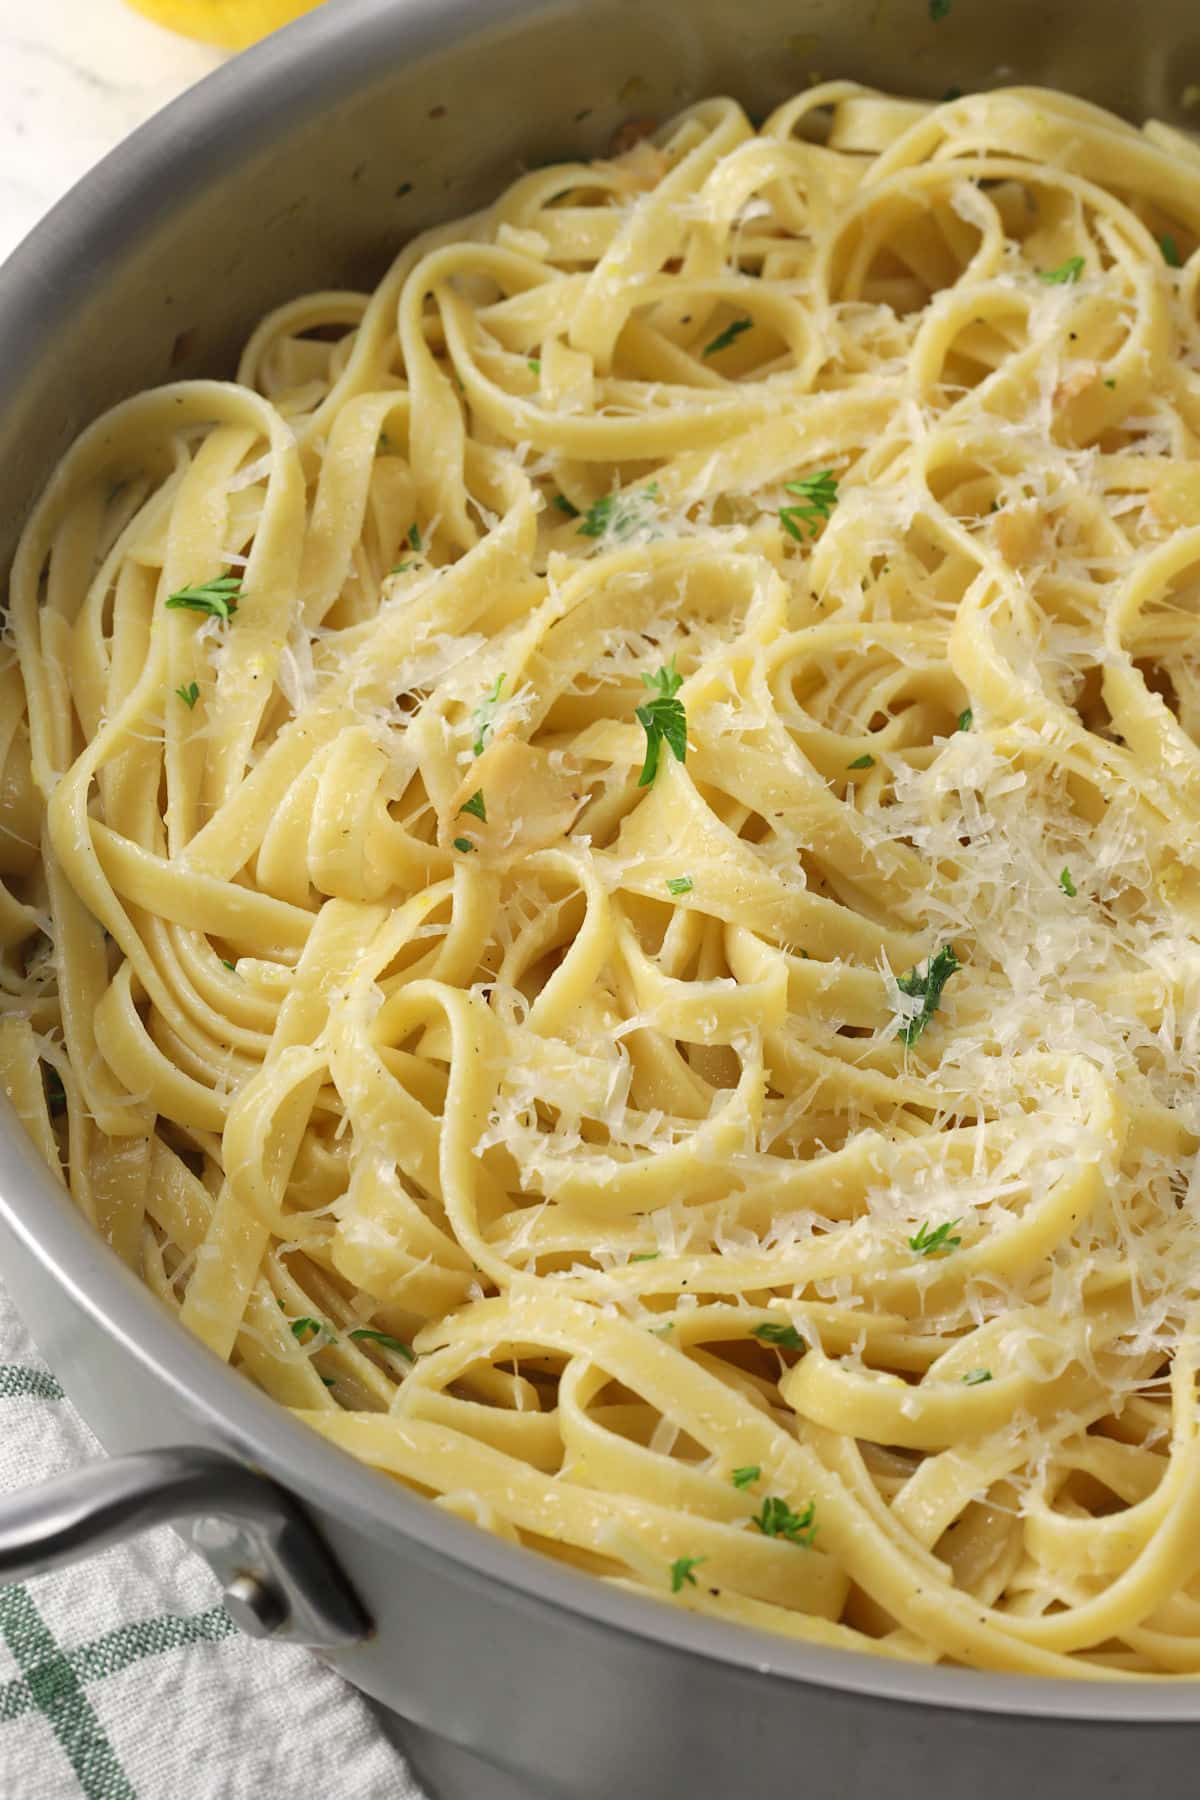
(399, 568)
(385, 442)
(928, 988)
(56, 1093)
(482, 718)
(952, 93)
(1065, 273)
(966, 719)
(304, 1330)
(618, 513)
(414, 535)
(476, 805)
(1110, 382)
(463, 844)
(729, 336)
(776, 1519)
(189, 694)
(974, 1377)
(364, 1335)
(681, 1571)
(564, 506)
(663, 720)
(742, 1478)
(1170, 250)
(1067, 885)
(862, 762)
(939, 10)
(679, 884)
(232, 967)
(785, 1336)
(937, 1242)
(646, 1256)
(817, 495)
(218, 598)
(666, 678)
(535, 363)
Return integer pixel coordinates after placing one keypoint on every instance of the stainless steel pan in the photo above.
(303, 164)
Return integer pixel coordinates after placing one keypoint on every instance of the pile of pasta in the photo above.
(602, 870)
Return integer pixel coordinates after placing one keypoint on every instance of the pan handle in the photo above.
(280, 1579)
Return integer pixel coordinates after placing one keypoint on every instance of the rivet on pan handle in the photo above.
(280, 1580)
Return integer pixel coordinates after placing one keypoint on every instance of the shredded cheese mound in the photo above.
(673, 902)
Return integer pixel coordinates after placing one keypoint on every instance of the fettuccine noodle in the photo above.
(602, 870)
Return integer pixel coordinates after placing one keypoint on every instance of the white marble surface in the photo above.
(76, 76)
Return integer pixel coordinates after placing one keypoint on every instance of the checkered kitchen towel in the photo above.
(123, 1678)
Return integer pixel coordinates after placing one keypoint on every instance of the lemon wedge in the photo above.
(231, 23)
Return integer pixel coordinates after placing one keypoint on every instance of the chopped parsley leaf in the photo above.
(414, 535)
(1110, 382)
(1170, 250)
(482, 718)
(564, 506)
(786, 1337)
(218, 598)
(663, 719)
(681, 1571)
(939, 10)
(952, 93)
(476, 805)
(776, 1519)
(364, 1335)
(927, 988)
(56, 1093)
(399, 568)
(232, 967)
(937, 1242)
(618, 513)
(729, 336)
(189, 694)
(1067, 885)
(463, 844)
(862, 762)
(976, 1377)
(966, 719)
(666, 679)
(816, 495)
(742, 1478)
(305, 1330)
(535, 363)
(679, 884)
(646, 1256)
(1065, 273)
